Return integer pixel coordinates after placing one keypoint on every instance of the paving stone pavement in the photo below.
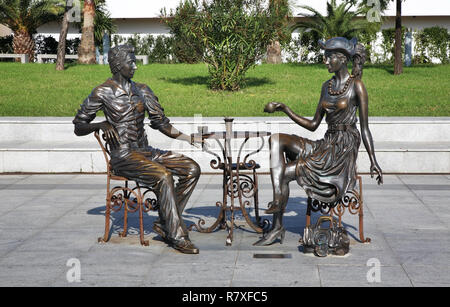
(45, 220)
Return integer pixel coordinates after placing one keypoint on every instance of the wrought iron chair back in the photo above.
(105, 150)
(352, 200)
(122, 196)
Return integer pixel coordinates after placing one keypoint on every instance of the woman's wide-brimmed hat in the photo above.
(340, 44)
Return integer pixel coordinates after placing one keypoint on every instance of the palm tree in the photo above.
(23, 17)
(60, 58)
(86, 51)
(398, 61)
(340, 21)
(280, 11)
(102, 24)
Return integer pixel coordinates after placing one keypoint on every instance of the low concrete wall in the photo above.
(41, 57)
(402, 145)
(24, 58)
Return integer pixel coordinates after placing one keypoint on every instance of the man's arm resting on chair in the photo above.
(110, 133)
(86, 114)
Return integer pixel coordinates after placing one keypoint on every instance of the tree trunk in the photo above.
(398, 61)
(61, 56)
(86, 51)
(279, 10)
(274, 53)
(23, 43)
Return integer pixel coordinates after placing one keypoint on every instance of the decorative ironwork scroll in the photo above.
(352, 201)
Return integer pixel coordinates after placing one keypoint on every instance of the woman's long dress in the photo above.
(326, 168)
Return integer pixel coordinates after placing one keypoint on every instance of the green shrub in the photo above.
(46, 44)
(368, 39)
(162, 50)
(49, 45)
(234, 35)
(388, 44)
(72, 45)
(432, 42)
(420, 48)
(159, 50)
(280, 12)
(294, 51)
(187, 49)
(6, 45)
(305, 48)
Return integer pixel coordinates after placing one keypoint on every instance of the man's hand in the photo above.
(274, 106)
(375, 168)
(111, 135)
(196, 141)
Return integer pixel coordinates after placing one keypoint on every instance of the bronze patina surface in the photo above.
(238, 187)
(124, 104)
(325, 168)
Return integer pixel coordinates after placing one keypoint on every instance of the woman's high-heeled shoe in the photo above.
(271, 237)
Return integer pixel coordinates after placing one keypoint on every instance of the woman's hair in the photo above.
(359, 58)
(351, 49)
(343, 56)
(117, 55)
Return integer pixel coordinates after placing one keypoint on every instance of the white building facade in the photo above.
(143, 16)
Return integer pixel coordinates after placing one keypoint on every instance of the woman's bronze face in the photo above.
(334, 61)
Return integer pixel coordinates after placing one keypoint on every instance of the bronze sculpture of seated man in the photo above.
(124, 104)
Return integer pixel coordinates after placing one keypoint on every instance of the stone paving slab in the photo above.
(428, 273)
(338, 276)
(45, 220)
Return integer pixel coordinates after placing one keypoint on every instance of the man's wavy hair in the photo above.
(117, 55)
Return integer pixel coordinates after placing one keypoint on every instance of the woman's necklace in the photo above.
(343, 90)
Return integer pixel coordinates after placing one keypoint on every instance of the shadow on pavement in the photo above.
(294, 219)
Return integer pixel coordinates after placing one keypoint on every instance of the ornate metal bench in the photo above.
(130, 199)
(352, 200)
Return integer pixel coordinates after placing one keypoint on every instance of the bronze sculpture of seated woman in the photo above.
(325, 168)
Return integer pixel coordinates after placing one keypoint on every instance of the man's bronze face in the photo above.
(128, 68)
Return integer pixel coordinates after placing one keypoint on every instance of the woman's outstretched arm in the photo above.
(366, 136)
(309, 124)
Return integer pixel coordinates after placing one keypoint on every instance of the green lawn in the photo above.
(39, 90)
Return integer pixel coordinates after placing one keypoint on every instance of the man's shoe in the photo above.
(158, 229)
(274, 207)
(185, 246)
